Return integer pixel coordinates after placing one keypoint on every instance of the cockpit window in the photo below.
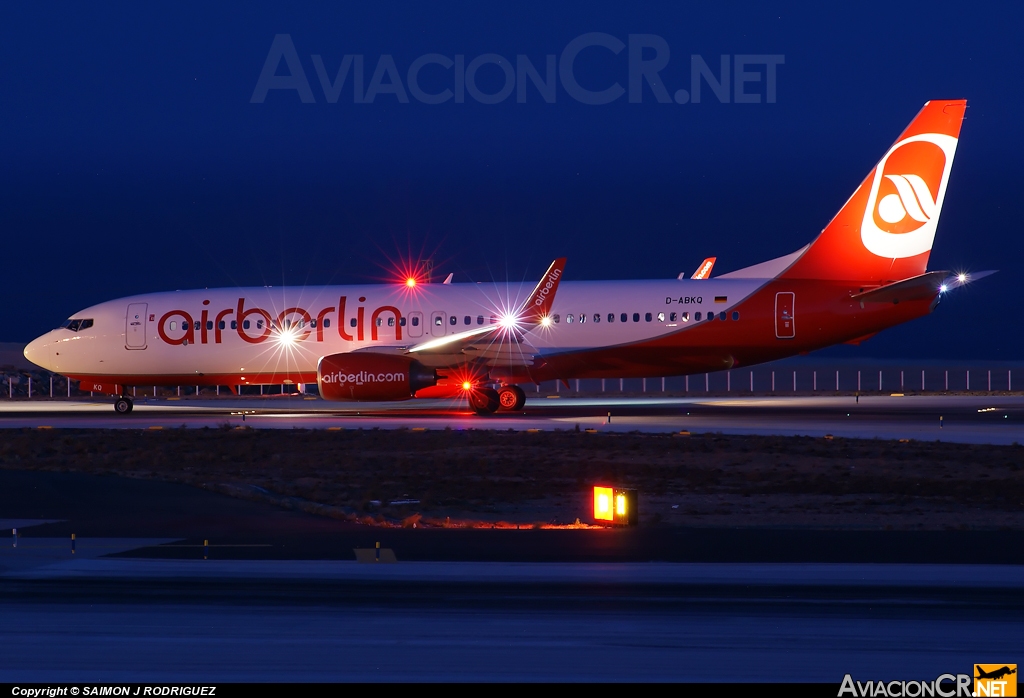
(77, 324)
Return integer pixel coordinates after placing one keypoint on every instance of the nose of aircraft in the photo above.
(39, 352)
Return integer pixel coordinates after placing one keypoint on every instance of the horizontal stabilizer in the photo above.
(965, 278)
(916, 288)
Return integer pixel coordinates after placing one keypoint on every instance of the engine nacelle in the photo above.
(372, 377)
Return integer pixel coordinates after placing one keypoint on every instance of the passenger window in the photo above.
(312, 323)
(245, 324)
(661, 317)
(569, 319)
(352, 322)
(259, 324)
(735, 315)
(636, 317)
(438, 321)
(234, 324)
(647, 317)
(721, 315)
(197, 325)
(453, 320)
(623, 317)
(685, 317)
(480, 319)
(401, 322)
(221, 325)
(174, 325)
(467, 320)
(557, 317)
(391, 322)
(327, 322)
(696, 316)
(611, 317)
(597, 317)
(583, 318)
(380, 321)
(415, 321)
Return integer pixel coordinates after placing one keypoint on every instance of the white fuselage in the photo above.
(277, 331)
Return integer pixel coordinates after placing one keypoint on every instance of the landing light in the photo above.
(961, 277)
(288, 336)
(410, 282)
(942, 288)
(545, 321)
(507, 321)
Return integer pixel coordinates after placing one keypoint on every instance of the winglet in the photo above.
(538, 305)
(704, 270)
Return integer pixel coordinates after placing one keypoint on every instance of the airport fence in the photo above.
(767, 379)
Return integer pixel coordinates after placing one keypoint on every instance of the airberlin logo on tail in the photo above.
(906, 195)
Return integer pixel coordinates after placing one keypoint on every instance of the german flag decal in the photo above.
(721, 299)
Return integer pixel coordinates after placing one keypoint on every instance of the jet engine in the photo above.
(372, 377)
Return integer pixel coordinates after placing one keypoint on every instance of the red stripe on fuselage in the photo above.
(824, 315)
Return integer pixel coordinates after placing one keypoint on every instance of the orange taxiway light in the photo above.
(603, 504)
(618, 506)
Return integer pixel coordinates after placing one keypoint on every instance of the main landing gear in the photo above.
(511, 397)
(484, 400)
(488, 401)
(123, 405)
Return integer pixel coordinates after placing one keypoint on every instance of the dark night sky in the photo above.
(133, 159)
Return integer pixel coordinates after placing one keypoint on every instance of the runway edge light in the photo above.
(616, 505)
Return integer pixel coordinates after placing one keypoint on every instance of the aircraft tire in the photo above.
(484, 401)
(123, 405)
(511, 398)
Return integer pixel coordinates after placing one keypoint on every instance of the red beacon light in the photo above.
(616, 505)
(410, 281)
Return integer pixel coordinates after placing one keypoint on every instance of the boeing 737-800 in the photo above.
(866, 271)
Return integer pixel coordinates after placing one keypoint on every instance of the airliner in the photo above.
(866, 271)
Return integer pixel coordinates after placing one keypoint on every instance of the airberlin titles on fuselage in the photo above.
(255, 325)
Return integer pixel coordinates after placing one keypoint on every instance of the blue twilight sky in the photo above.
(134, 158)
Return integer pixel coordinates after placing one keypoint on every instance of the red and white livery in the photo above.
(866, 271)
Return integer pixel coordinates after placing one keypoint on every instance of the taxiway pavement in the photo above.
(989, 418)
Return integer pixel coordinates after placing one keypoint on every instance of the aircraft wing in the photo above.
(504, 341)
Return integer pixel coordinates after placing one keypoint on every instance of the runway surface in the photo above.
(990, 419)
(146, 620)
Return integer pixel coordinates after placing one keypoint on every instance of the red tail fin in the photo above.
(885, 231)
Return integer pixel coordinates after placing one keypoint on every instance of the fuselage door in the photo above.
(437, 319)
(785, 317)
(135, 326)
